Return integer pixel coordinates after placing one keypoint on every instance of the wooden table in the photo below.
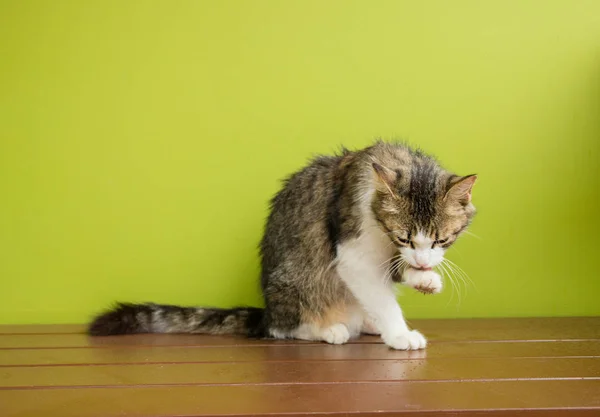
(496, 367)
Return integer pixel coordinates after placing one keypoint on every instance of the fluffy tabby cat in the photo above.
(341, 231)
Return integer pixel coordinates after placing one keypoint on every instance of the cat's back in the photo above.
(310, 186)
(298, 217)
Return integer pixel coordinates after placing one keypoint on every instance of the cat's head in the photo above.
(423, 209)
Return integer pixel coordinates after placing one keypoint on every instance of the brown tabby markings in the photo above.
(318, 208)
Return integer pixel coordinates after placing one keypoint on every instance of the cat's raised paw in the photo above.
(410, 340)
(427, 282)
(336, 335)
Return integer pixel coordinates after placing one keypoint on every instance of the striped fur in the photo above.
(126, 318)
(319, 210)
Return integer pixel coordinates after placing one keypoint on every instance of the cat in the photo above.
(340, 233)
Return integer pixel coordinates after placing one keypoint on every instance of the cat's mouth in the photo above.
(420, 268)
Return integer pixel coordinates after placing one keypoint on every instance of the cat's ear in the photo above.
(385, 178)
(459, 189)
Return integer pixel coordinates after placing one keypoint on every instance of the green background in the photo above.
(141, 141)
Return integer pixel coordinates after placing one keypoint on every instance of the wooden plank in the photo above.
(31, 341)
(443, 329)
(356, 352)
(404, 398)
(507, 329)
(506, 367)
(265, 373)
(437, 330)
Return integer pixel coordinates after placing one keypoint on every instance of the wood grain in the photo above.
(268, 373)
(479, 330)
(480, 367)
(307, 399)
(350, 352)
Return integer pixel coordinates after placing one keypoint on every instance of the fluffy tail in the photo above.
(127, 318)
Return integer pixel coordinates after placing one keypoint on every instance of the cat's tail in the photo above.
(127, 318)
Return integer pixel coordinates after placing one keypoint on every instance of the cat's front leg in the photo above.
(366, 279)
(425, 281)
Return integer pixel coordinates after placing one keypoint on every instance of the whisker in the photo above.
(460, 274)
(454, 248)
(467, 232)
(455, 287)
(463, 273)
(389, 260)
(389, 271)
(399, 264)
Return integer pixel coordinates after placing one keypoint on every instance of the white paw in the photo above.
(427, 282)
(410, 340)
(336, 334)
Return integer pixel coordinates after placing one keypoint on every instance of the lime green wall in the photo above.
(141, 141)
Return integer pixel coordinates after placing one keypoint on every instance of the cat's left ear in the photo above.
(459, 189)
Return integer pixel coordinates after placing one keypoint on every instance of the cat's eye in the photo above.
(440, 241)
(403, 241)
